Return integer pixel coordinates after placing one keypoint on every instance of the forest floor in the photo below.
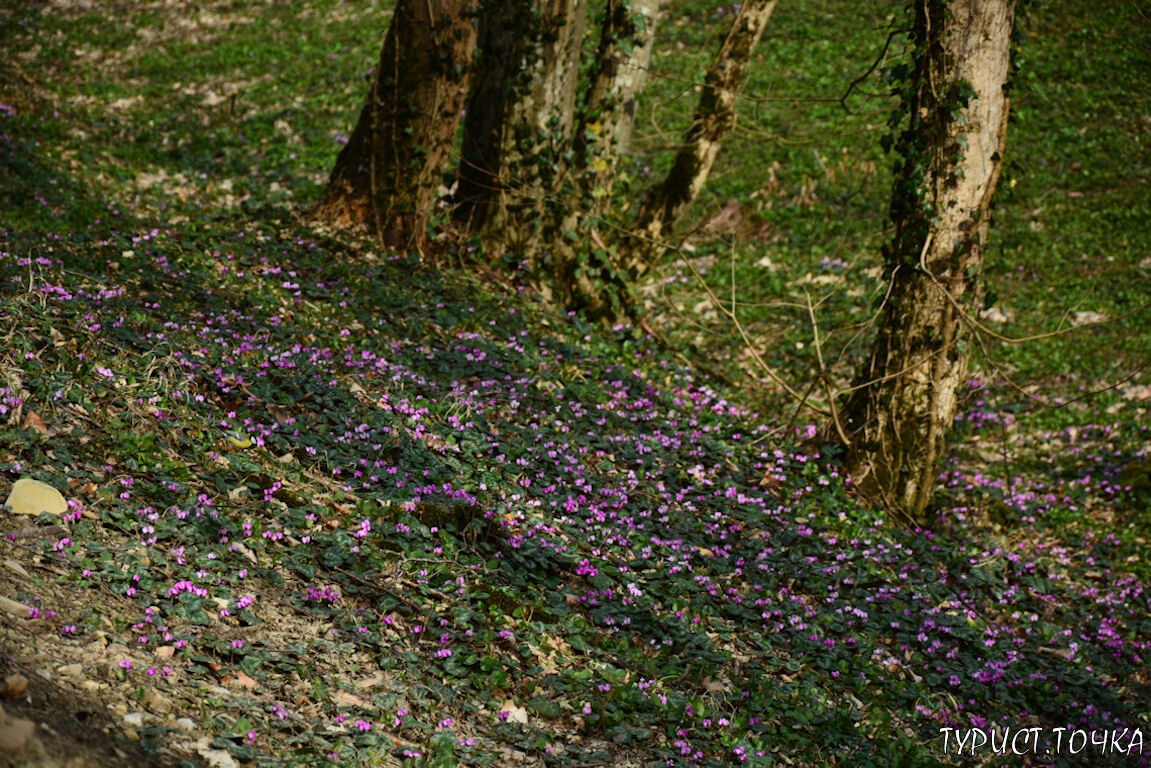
(327, 505)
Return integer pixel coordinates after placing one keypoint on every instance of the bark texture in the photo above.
(520, 120)
(713, 121)
(627, 36)
(387, 174)
(622, 59)
(898, 418)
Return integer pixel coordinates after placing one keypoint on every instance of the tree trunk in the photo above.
(387, 175)
(518, 129)
(627, 37)
(622, 59)
(501, 48)
(713, 120)
(950, 155)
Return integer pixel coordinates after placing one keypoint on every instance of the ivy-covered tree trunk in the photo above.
(949, 157)
(713, 120)
(518, 130)
(624, 53)
(578, 271)
(387, 175)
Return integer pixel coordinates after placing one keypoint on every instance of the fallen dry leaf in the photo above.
(33, 420)
(240, 678)
(345, 699)
(515, 714)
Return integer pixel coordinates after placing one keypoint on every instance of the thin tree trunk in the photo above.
(950, 155)
(713, 120)
(520, 120)
(387, 175)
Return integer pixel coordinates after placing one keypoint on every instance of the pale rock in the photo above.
(32, 497)
(164, 652)
(217, 758)
(9, 606)
(15, 734)
(134, 719)
(185, 723)
(71, 670)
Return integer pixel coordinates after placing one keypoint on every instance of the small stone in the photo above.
(216, 758)
(15, 685)
(19, 610)
(164, 652)
(32, 497)
(134, 719)
(15, 733)
(71, 670)
(185, 723)
(158, 703)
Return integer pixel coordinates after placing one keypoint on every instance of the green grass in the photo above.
(1071, 219)
(158, 289)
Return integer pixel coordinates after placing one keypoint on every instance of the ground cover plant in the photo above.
(331, 505)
